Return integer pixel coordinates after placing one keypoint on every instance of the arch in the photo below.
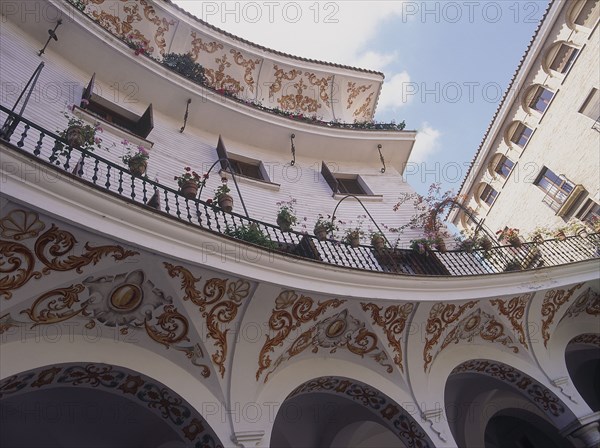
(583, 13)
(517, 133)
(550, 405)
(582, 357)
(536, 98)
(559, 57)
(381, 407)
(134, 386)
(495, 160)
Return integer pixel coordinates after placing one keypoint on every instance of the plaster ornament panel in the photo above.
(386, 410)
(553, 302)
(290, 312)
(441, 316)
(20, 225)
(392, 321)
(339, 331)
(218, 302)
(128, 302)
(545, 399)
(134, 386)
(514, 310)
(139, 26)
(52, 251)
(587, 302)
(201, 43)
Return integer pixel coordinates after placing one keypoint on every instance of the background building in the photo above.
(538, 163)
(132, 314)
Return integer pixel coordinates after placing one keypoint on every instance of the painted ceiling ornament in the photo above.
(553, 301)
(123, 299)
(290, 312)
(514, 311)
(21, 225)
(354, 91)
(587, 302)
(340, 331)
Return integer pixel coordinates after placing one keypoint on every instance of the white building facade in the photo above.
(133, 315)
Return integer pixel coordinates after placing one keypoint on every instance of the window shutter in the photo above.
(146, 123)
(222, 153)
(89, 90)
(329, 178)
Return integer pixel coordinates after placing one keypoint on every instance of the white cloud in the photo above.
(329, 31)
(426, 143)
(374, 60)
(395, 93)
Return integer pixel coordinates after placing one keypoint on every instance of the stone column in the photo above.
(586, 430)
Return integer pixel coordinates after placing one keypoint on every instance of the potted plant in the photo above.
(421, 245)
(576, 227)
(465, 243)
(539, 235)
(512, 265)
(189, 182)
(511, 236)
(137, 160)
(222, 196)
(595, 223)
(323, 227)
(352, 236)
(251, 233)
(286, 215)
(438, 242)
(80, 135)
(485, 243)
(377, 240)
(560, 234)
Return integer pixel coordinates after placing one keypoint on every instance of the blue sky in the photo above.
(446, 63)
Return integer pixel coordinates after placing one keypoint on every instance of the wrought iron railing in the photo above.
(52, 150)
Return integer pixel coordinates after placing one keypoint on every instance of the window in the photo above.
(591, 106)
(557, 188)
(540, 99)
(246, 167)
(504, 167)
(115, 114)
(521, 135)
(589, 213)
(564, 58)
(343, 183)
(488, 195)
(589, 13)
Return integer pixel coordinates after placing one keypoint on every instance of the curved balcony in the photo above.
(93, 170)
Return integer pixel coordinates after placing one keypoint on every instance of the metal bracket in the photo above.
(381, 158)
(185, 117)
(53, 35)
(293, 162)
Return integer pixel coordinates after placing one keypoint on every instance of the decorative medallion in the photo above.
(340, 331)
(393, 323)
(290, 312)
(21, 225)
(553, 301)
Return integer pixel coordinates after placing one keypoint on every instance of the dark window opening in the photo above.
(504, 167)
(488, 195)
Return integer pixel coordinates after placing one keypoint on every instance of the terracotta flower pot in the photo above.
(515, 241)
(284, 223)
(75, 136)
(189, 189)
(138, 167)
(560, 236)
(321, 233)
(225, 202)
(378, 242)
(353, 240)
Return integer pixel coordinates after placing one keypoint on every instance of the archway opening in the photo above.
(582, 357)
(337, 412)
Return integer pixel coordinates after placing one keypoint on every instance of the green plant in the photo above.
(222, 189)
(326, 224)
(251, 233)
(421, 245)
(512, 265)
(185, 65)
(139, 44)
(91, 140)
(508, 235)
(191, 177)
(287, 212)
(133, 156)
